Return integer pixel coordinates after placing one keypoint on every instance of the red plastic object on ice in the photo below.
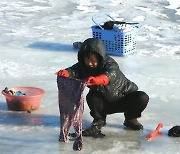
(31, 101)
(155, 132)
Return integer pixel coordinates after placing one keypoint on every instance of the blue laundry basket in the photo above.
(116, 42)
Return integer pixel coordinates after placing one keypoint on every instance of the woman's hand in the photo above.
(97, 80)
(64, 73)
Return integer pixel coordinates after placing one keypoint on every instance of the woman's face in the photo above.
(91, 61)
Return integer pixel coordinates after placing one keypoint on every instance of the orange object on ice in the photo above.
(31, 101)
(155, 132)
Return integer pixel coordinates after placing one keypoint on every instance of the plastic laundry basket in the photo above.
(31, 101)
(116, 42)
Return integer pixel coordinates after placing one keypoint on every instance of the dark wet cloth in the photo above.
(174, 131)
(71, 107)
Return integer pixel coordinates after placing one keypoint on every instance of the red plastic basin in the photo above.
(31, 101)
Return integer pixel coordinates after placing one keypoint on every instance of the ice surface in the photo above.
(36, 41)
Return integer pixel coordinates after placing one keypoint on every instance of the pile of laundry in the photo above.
(119, 26)
(11, 92)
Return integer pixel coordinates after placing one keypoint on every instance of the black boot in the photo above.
(99, 123)
(133, 124)
(93, 131)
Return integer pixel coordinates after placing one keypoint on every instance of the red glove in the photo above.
(64, 73)
(98, 80)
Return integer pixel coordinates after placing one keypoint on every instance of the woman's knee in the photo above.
(93, 97)
(144, 98)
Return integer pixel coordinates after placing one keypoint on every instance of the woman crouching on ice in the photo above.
(109, 90)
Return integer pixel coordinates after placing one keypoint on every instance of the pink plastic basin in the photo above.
(31, 101)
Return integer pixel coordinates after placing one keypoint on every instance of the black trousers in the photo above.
(131, 105)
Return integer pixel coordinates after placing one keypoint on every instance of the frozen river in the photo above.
(36, 41)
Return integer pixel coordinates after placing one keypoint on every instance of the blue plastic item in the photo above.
(20, 93)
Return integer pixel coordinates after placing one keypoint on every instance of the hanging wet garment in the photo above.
(71, 107)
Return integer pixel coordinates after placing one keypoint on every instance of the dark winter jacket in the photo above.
(118, 85)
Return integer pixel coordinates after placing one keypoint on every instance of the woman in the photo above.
(110, 91)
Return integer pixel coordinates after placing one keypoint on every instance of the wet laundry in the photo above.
(71, 107)
(11, 92)
(174, 131)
